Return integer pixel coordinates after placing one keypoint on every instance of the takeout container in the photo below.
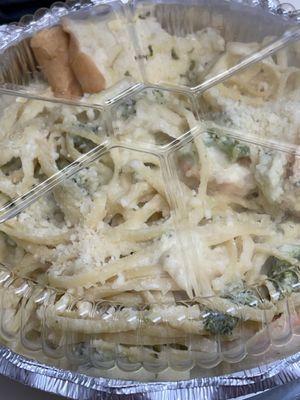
(89, 338)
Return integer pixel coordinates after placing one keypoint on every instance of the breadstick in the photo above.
(51, 49)
(83, 66)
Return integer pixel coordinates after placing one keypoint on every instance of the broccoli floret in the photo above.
(239, 151)
(239, 294)
(245, 297)
(216, 322)
(283, 275)
(231, 147)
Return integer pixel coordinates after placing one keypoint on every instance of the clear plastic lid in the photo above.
(150, 230)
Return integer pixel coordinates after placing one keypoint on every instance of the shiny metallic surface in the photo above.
(78, 386)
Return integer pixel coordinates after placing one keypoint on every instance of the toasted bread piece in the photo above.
(85, 69)
(51, 49)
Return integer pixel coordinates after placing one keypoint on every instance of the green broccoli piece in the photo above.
(239, 151)
(216, 322)
(283, 275)
(238, 293)
(231, 147)
(127, 109)
(245, 297)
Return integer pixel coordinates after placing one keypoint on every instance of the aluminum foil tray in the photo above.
(175, 329)
(73, 385)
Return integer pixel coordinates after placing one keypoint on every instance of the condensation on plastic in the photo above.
(31, 328)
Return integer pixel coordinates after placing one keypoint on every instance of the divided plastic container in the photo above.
(160, 131)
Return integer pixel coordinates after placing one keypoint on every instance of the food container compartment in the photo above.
(136, 34)
(25, 130)
(261, 104)
(142, 235)
(30, 52)
(260, 101)
(204, 31)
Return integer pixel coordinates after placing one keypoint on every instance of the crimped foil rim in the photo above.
(79, 386)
